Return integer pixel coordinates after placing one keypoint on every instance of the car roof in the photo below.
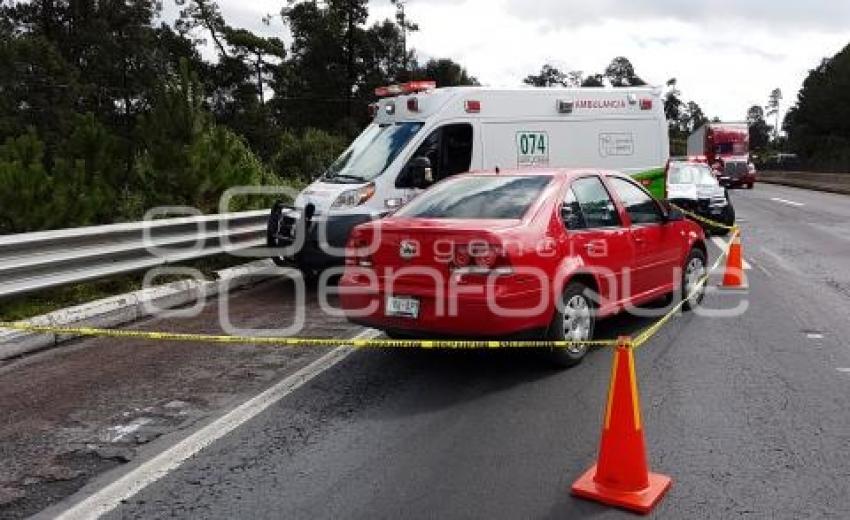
(552, 172)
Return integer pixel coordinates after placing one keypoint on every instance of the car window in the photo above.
(478, 196)
(682, 173)
(571, 212)
(449, 148)
(640, 206)
(371, 153)
(690, 173)
(597, 207)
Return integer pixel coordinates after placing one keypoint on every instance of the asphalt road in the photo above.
(748, 414)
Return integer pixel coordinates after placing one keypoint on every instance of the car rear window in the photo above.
(478, 197)
(690, 173)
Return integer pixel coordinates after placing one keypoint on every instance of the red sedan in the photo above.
(501, 254)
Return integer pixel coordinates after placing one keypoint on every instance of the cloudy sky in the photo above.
(726, 54)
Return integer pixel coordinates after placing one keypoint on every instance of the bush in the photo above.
(303, 157)
(26, 197)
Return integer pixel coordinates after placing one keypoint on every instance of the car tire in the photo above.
(574, 318)
(750, 186)
(695, 269)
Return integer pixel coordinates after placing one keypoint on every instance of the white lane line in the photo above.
(844, 370)
(109, 497)
(723, 244)
(788, 202)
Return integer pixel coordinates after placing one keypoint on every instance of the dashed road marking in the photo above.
(129, 484)
(788, 202)
(844, 370)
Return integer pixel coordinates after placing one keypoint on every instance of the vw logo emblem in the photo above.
(408, 249)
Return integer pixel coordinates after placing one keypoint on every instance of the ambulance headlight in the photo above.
(355, 197)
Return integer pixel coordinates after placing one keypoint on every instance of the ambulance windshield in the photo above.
(371, 153)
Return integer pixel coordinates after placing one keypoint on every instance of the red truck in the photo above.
(726, 146)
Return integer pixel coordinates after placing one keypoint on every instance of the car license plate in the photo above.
(402, 306)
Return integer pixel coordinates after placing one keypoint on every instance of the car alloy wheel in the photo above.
(577, 324)
(694, 272)
(574, 320)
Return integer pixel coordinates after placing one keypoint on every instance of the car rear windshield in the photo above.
(690, 173)
(478, 197)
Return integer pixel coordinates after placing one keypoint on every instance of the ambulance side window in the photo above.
(448, 148)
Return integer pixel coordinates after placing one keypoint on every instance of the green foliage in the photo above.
(188, 160)
(107, 111)
(87, 175)
(818, 126)
(26, 185)
(759, 129)
(621, 73)
(549, 76)
(304, 156)
(80, 190)
(446, 73)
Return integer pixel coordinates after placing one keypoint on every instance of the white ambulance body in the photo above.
(463, 129)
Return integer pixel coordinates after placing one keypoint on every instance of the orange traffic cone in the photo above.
(621, 475)
(733, 277)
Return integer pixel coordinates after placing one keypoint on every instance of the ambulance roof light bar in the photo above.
(411, 87)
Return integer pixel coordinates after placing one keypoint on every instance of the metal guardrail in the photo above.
(44, 259)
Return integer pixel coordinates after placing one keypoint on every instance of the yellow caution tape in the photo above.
(639, 340)
(653, 329)
(297, 342)
(704, 220)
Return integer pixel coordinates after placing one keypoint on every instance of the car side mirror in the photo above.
(418, 174)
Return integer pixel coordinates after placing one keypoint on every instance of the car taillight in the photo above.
(480, 258)
(461, 257)
(357, 252)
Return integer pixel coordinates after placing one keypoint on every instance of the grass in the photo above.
(41, 302)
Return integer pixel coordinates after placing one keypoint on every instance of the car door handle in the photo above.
(639, 239)
(596, 247)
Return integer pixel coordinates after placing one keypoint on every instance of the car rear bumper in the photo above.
(738, 181)
(702, 207)
(445, 313)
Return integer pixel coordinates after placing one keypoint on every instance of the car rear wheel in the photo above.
(693, 272)
(750, 186)
(574, 320)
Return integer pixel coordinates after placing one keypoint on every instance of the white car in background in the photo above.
(691, 185)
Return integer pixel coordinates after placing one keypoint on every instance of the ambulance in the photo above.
(421, 134)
